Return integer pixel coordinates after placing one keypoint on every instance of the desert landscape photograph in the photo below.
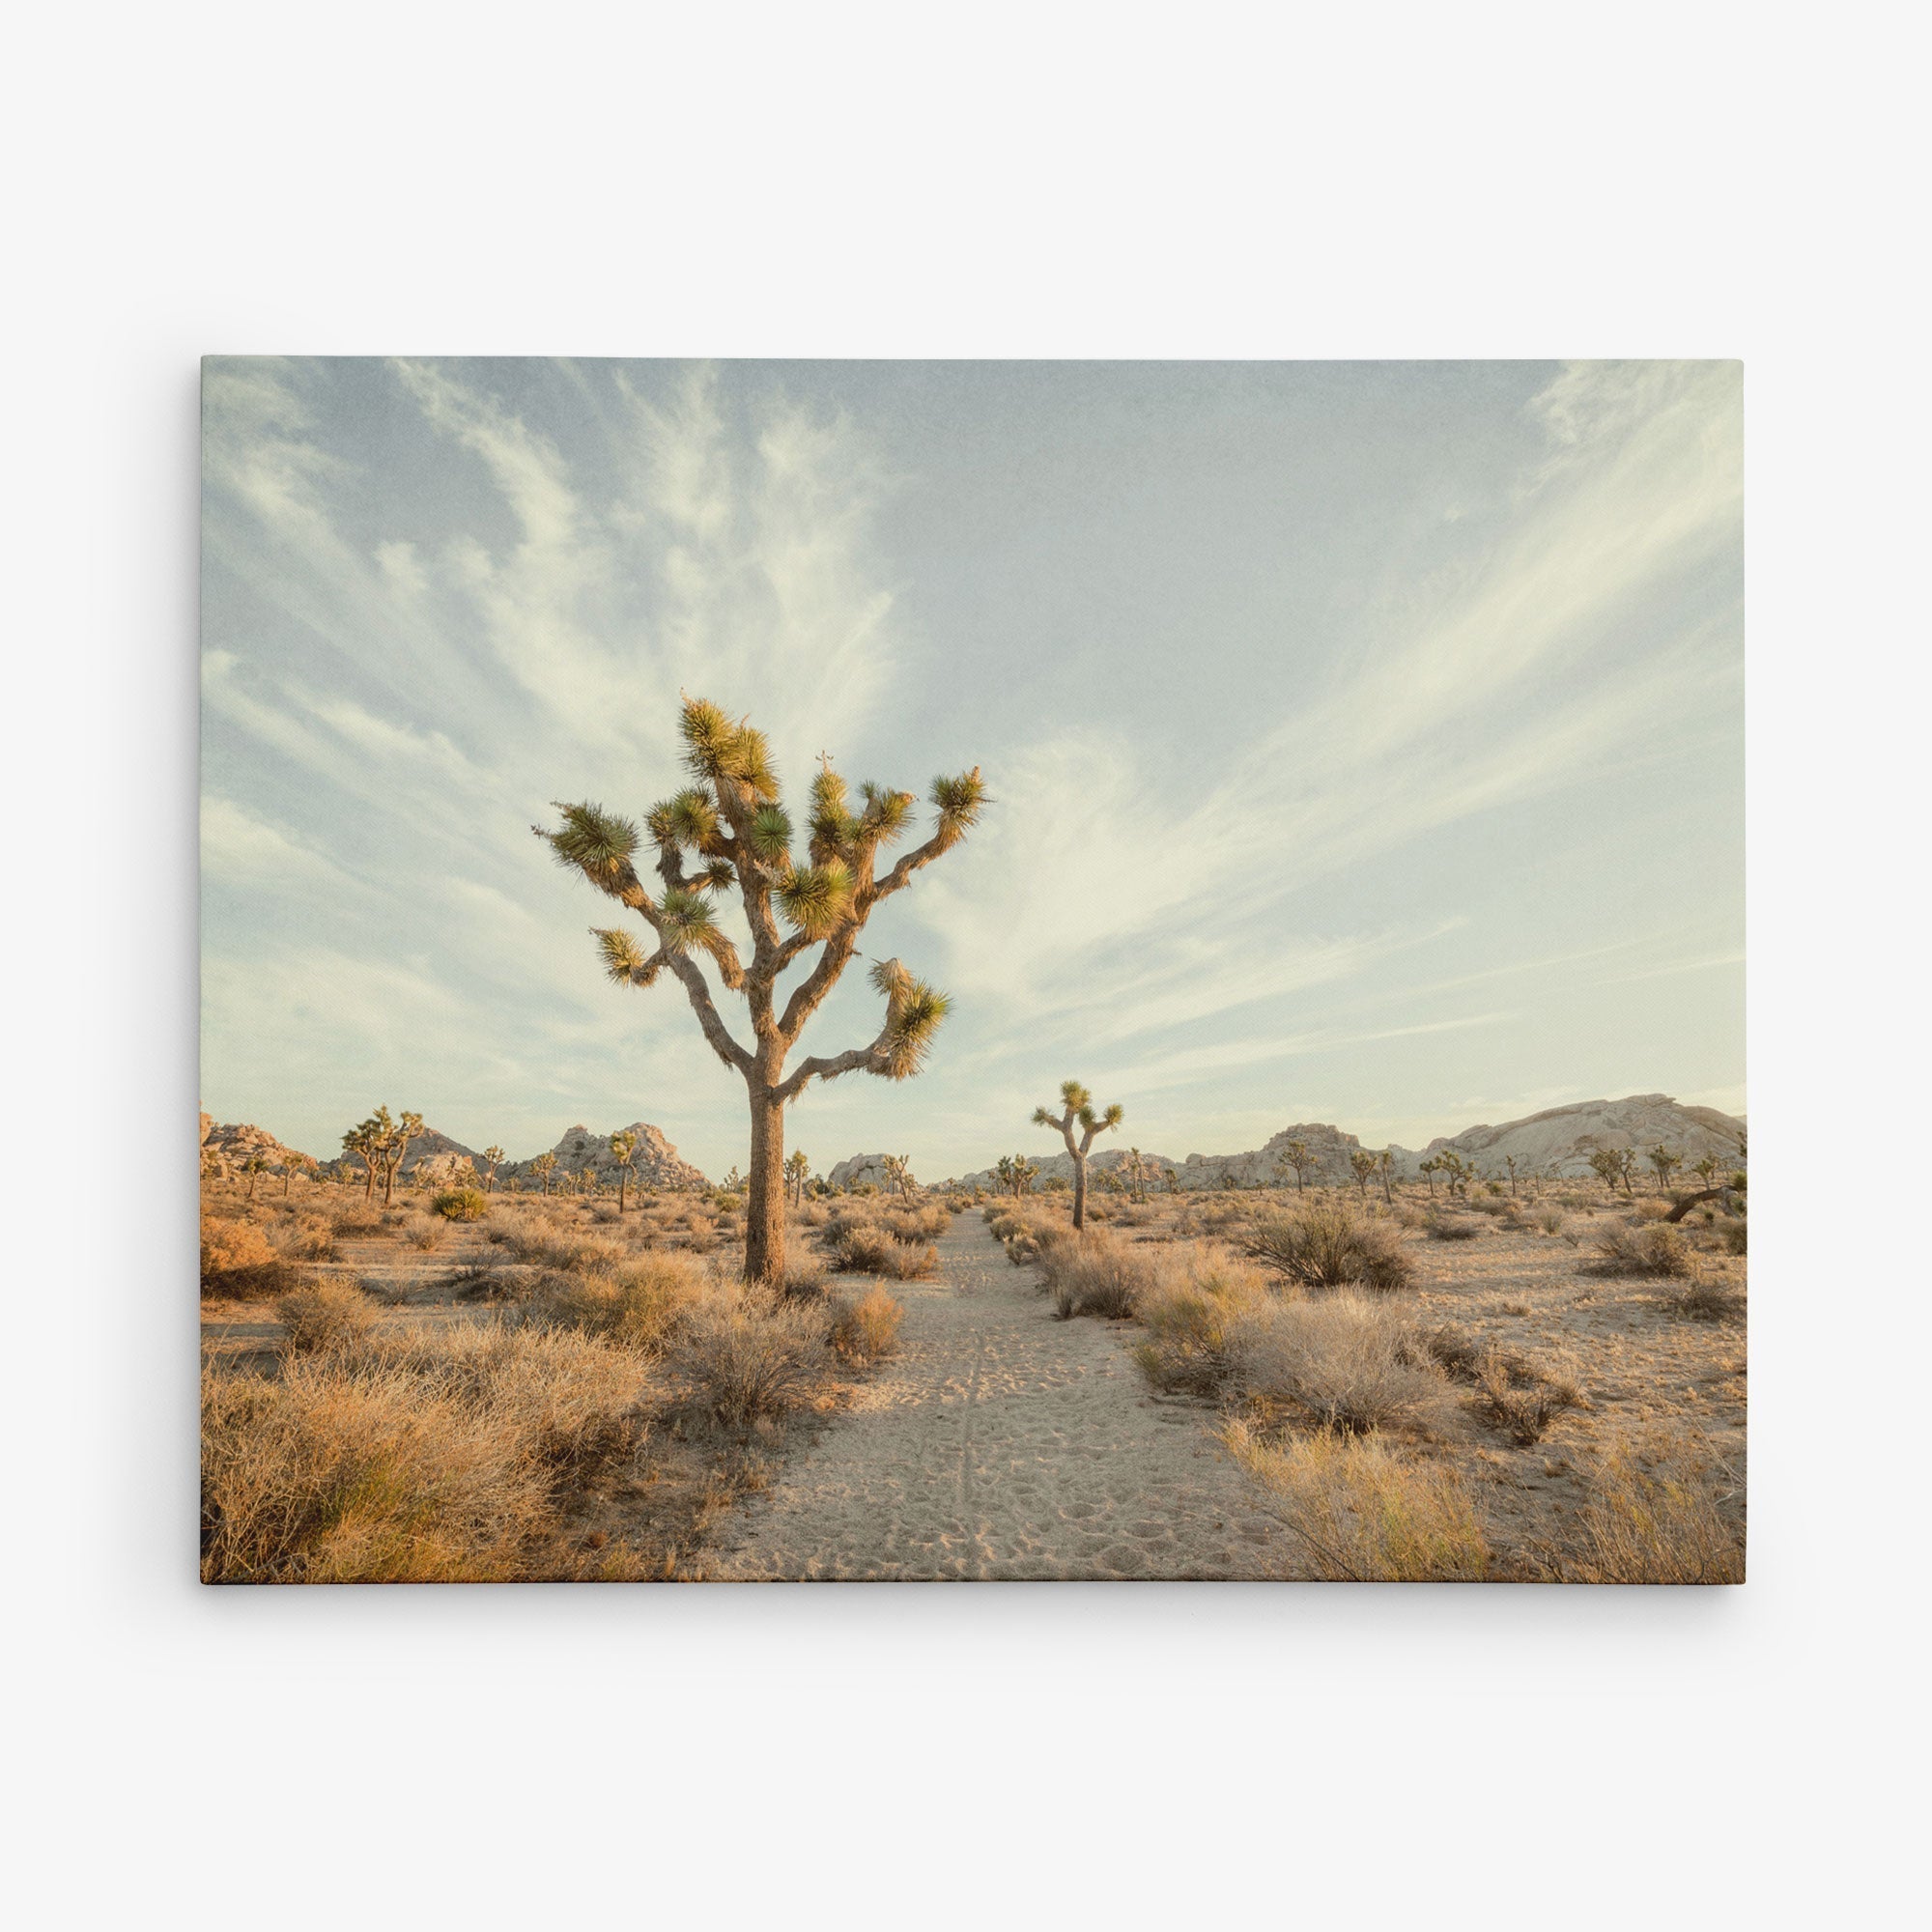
(910, 970)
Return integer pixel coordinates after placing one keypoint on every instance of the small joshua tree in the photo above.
(254, 1166)
(797, 1171)
(1509, 1161)
(543, 1167)
(1136, 1171)
(623, 1152)
(1295, 1154)
(493, 1156)
(379, 1144)
(898, 1173)
(1614, 1167)
(1364, 1164)
(1385, 1168)
(733, 826)
(1705, 1167)
(1077, 1110)
(1667, 1161)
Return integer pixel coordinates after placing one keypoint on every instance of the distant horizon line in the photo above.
(1538, 1113)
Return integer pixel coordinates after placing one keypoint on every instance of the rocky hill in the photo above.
(655, 1163)
(229, 1145)
(440, 1158)
(860, 1168)
(1560, 1140)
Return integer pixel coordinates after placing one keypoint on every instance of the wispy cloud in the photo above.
(1537, 662)
(470, 589)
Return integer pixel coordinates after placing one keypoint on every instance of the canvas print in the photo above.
(914, 971)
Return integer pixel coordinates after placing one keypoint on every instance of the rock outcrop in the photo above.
(228, 1146)
(860, 1168)
(1559, 1141)
(656, 1164)
(1562, 1139)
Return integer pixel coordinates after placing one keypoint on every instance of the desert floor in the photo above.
(999, 1443)
(996, 1440)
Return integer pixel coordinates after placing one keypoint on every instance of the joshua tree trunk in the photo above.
(764, 1191)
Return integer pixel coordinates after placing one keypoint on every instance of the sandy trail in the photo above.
(1000, 1443)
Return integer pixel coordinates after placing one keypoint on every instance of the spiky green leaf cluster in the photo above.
(833, 826)
(816, 898)
(913, 1014)
(690, 821)
(624, 959)
(684, 921)
(770, 834)
(960, 801)
(715, 748)
(593, 841)
(885, 812)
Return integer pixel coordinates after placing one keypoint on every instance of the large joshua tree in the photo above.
(735, 829)
(1077, 1110)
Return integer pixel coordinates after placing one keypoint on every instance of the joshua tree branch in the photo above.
(811, 991)
(859, 1060)
(716, 1032)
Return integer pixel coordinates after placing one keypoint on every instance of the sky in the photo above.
(1366, 741)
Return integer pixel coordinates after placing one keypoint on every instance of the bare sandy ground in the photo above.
(1000, 1443)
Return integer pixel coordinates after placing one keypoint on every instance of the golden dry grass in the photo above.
(1662, 1514)
(867, 1330)
(1360, 1513)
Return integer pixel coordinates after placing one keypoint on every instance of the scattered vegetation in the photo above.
(1326, 1244)
(1095, 1273)
(1644, 1250)
(1343, 1362)
(1361, 1513)
(1668, 1515)
(867, 1330)
(323, 1314)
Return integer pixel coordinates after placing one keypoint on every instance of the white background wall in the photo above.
(1382, 180)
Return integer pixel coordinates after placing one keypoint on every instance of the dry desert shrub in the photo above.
(1342, 1363)
(236, 1260)
(1451, 1227)
(425, 1240)
(1705, 1296)
(320, 1316)
(1650, 1208)
(306, 1239)
(1660, 1515)
(867, 1330)
(1095, 1273)
(640, 1303)
(753, 1355)
(1364, 1513)
(1734, 1236)
(803, 1278)
(1549, 1220)
(358, 1224)
(544, 1245)
(461, 1204)
(1522, 1400)
(1649, 1249)
(1327, 1244)
(859, 1248)
(434, 1460)
(1188, 1310)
